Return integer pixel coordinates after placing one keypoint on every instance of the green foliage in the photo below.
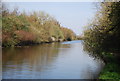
(102, 37)
(111, 71)
(36, 27)
(104, 30)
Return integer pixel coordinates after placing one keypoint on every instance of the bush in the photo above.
(34, 28)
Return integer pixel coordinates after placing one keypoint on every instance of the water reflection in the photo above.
(49, 61)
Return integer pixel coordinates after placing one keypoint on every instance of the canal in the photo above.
(66, 60)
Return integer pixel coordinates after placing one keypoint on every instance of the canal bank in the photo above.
(111, 69)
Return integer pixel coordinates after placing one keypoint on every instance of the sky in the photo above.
(73, 15)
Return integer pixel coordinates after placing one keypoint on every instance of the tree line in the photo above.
(36, 27)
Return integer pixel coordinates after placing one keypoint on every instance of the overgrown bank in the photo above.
(33, 28)
(111, 69)
(102, 38)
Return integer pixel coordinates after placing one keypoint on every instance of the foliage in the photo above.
(68, 34)
(102, 37)
(103, 34)
(34, 27)
(111, 70)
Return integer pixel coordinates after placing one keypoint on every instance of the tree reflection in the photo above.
(37, 57)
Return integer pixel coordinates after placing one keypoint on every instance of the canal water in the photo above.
(66, 60)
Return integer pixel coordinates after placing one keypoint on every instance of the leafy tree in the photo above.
(104, 31)
(21, 28)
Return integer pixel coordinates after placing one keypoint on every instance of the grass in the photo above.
(111, 70)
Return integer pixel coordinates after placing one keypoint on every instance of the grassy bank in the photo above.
(21, 28)
(112, 67)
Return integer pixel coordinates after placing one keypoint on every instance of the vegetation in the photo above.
(68, 34)
(37, 27)
(102, 37)
(0, 24)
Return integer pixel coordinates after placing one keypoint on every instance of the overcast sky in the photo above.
(73, 15)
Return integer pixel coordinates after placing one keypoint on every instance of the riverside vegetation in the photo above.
(33, 28)
(102, 38)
